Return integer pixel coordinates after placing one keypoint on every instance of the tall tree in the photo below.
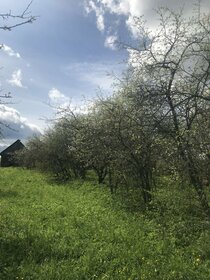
(171, 69)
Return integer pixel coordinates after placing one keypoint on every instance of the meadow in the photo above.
(80, 231)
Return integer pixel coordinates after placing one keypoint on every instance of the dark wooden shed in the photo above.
(7, 155)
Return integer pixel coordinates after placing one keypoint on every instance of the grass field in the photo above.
(79, 231)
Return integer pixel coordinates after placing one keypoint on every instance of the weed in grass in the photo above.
(79, 231)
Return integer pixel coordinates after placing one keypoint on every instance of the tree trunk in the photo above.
(186, 155)
(101, 173)
(197, 184)
(146, 183)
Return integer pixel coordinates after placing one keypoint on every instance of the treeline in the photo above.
(157, 122)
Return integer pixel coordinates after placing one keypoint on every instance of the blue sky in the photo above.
(62, 52)
(65, 55)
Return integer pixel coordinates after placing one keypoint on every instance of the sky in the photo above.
(67, 56)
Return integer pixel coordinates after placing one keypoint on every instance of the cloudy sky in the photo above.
(65, 55)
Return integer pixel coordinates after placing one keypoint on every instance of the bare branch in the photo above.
(20, 19)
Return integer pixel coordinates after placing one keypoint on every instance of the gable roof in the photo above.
(17, 145)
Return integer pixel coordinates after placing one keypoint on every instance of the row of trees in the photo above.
(156, 122)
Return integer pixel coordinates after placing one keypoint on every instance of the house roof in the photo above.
(13, 147)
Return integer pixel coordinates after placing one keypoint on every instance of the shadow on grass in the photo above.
(31, 251)
(130, 200)
(8, 194)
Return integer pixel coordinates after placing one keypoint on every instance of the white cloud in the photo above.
(90, 6)
(16, 79)
(100, 22)
(130, 9)
(125, 10)
(94, 75)
(62, 103)
(9, 51)
(14, 126)
(57, 98)
(125, 7)
(111, 42)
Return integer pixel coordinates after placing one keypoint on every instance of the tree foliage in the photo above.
(157, 121)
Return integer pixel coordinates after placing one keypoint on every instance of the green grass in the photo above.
(79, 231)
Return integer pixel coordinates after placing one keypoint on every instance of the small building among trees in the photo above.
(8, 155)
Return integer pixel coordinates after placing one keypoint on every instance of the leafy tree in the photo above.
(32, 155)
(157, 121)
(171, 69)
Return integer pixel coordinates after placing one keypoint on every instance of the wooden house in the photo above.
(7, 155)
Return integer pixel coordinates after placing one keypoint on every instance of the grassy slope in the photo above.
(78, 231)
